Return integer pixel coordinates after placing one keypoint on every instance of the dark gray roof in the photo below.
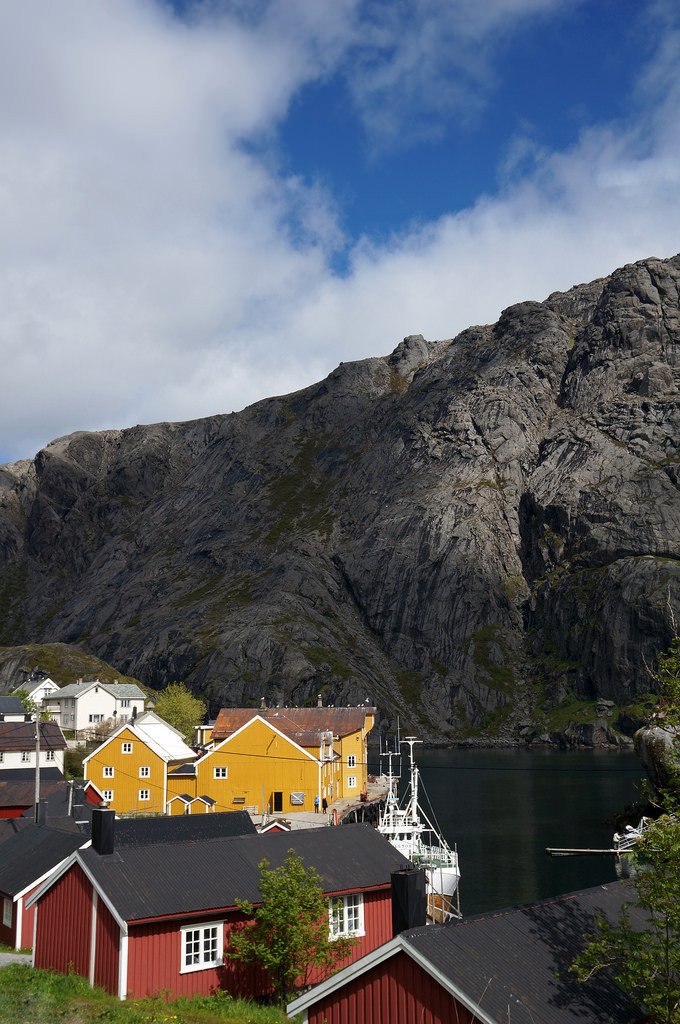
(182, 828)
(207, 875)
(31, 853)
(515, 963)
(189, 768)
(11, 706)
(17, 788)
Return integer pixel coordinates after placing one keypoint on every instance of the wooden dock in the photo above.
(556, 851)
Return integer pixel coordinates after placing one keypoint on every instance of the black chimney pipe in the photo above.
(409, 899)
(103, 830)
(42, 813)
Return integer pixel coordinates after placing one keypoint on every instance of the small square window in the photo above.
(125, 703)
(126, 748)
(25, 755)
(2, 756)
(201, 947)
(346, 915)
(108, 771)
(220, 773)
(49, 756)
(108, 795)
(351, 782)
(144, 771)
(144, 794)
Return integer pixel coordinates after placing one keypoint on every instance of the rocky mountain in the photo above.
(476, 534)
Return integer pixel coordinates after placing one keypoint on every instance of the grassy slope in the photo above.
(41, 997)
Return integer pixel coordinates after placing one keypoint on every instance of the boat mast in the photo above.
(414, 776)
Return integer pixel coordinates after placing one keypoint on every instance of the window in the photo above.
(126, 748)
(144, 794)
(25, 755)
(7, 912)
(49, 756)
(351, 781)
(95, 718)
(346, 915)
(108, 795)
(201, 947)
(125, 703)
(220, 773)
(108, 771)
(144, 771)
(352, 761)
(2, 756)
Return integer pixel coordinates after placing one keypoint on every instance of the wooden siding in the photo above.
(25, 939)
(126, 782)
(107, 938)
(154, 955)
(396, 990)
(258, 760)
(64, 925)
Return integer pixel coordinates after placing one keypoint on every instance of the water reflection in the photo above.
(503, 807)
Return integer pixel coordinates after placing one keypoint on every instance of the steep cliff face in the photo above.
(464, 532)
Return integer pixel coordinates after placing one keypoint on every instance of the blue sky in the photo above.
(203, 204)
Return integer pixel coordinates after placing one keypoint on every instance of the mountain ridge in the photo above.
(467, 532)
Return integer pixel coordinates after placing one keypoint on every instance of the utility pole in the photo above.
(37, 765)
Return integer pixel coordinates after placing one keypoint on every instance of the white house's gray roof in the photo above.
(119, 690)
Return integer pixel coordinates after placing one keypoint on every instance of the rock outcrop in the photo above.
(466, 532)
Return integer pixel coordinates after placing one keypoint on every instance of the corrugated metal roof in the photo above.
(202, 875)
(21, 736)
(31, 853)
(300, 724)
(515, 963)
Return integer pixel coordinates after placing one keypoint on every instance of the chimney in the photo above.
(134, 712)
(263, 704)
(319, 702)
(409, 899)
(42, 813)
(103, 830)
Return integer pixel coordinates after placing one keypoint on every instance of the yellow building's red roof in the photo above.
(303, 725)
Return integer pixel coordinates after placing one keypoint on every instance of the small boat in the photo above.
(410, 831)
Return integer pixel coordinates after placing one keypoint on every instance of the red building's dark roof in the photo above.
(171, 878)
(21, 736)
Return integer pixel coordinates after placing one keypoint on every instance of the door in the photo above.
(278, 803)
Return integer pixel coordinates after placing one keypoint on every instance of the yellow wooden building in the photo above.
(131, 767)
(277, 760)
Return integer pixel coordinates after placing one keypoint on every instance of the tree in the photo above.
(289, 936)
(646, 961)
(178, 706)
(31, 707)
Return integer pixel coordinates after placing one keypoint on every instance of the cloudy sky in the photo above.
(206, 203)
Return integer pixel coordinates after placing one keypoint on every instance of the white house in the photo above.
(12, 710)
(40, 690)
(18, 745)
(84, 705)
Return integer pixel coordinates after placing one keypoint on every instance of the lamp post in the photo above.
(36, 719)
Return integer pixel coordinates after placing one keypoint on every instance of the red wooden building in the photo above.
(507, 967)
(140, 918)
(26, 860)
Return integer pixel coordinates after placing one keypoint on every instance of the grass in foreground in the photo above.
(41, 997)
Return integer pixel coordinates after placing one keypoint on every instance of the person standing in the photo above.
(316, 804)
(324, 805)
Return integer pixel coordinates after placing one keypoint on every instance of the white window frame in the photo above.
(2, 756)
(144, 771)
(144, 794)
(108, 795)
(125, 703)
(108, 771)
(351, 760)
(351, 782)
(7, 912)
(346, 916)
(220, 772)
(126, 747)
(95, 719)
(26, 756)
(49, 755)
(193, 946)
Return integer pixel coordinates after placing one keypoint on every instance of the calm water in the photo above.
(503, 807)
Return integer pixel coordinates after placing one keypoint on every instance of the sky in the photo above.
(203, 204)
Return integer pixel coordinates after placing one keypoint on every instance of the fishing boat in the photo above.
(406, 826)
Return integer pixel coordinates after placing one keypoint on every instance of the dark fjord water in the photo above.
(504, 807)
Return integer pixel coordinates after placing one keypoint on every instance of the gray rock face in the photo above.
(461, 532)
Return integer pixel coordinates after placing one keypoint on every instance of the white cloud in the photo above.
(152, 267)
